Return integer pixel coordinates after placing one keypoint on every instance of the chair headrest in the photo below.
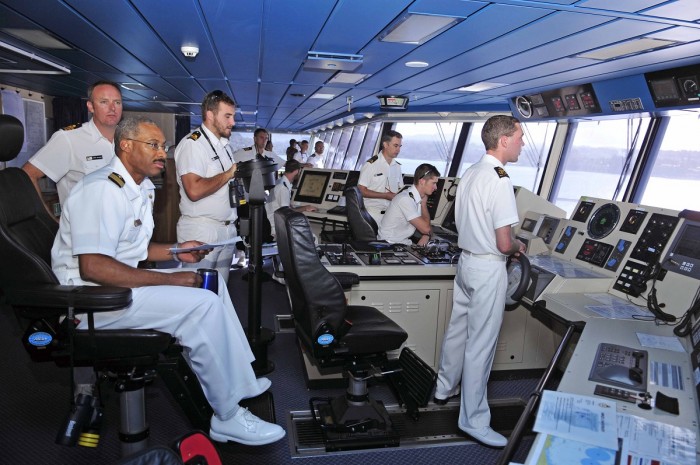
(11, 137)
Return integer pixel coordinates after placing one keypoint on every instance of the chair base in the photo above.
(348, 425)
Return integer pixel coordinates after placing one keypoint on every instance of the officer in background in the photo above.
(79, 149)
(281, 195)
(257, 150)
(315, 160)
(485, 213)
(408, 214)
(380, 178)
(205, 169)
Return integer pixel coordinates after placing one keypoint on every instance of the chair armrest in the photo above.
(346, 279)
(83, 298)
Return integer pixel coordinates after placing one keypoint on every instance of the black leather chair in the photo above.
(47, 308)
(363, 228)
(335, 334)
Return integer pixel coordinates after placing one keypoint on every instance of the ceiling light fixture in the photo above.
(38, 38)
(481, 86)
(417, 64)
(57, 69)
(627, 48)
(347, 78)
(416, 29)
(322, 96)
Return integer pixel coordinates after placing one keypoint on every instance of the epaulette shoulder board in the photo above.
(72, 126)
(501, 172)
(195, 135)
(373, 159)
(397, 162)
(117, 179)
(404, 188)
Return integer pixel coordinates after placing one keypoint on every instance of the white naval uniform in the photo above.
(210, 219)
(485, 202)
(281, 196)
(71, 153)
(301, 157)
(249, 153)
(379, 176)
(395, 226)
(315, 160)
(100, 217)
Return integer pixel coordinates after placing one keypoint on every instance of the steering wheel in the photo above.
(518, 269)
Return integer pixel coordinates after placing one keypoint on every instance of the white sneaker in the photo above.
(245, 428)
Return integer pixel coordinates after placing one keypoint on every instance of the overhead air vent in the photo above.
(332, 61)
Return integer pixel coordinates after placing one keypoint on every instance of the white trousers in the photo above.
(207, 326)
(209, 231)
(470, 340)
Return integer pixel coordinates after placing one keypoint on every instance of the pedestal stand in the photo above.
(252, 173)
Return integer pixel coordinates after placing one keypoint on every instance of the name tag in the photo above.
(93, 157)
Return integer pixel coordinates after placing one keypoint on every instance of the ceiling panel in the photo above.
(255, 50)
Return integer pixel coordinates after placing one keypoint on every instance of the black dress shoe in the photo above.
(439, 401)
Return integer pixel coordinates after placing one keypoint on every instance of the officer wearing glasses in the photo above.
(106, 230)
(407, 215)
(205, 168)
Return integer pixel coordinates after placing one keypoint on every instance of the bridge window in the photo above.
(351, 156)
(599, 160)
(370, 141)
(673, 180)
(527, 172)
(342, 147)
(431, 142)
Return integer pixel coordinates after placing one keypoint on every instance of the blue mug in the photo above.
(210, 279)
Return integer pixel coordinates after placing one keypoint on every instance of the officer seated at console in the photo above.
(407, 218)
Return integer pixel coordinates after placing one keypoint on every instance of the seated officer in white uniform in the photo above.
(281, 195)
(105, 230)
(407, 214)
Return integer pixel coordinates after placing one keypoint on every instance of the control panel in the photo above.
(620, 366)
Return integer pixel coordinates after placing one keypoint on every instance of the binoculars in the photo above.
(82, 424)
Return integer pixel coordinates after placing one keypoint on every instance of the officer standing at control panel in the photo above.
(408, 214)
(380, 178)
(485, 213)
(205, 169)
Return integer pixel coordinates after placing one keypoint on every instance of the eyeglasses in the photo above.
(154, 145)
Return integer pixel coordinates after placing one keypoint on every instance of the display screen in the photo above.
(528, 225)
(547, 228)
(558, 105)
(449, 221)
(665, 89)
(689, 243)
(312, 186)
(572, 102)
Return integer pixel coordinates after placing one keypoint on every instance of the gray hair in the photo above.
(128, 128)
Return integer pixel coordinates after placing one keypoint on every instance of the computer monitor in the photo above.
(449, 222)
(312, 186)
